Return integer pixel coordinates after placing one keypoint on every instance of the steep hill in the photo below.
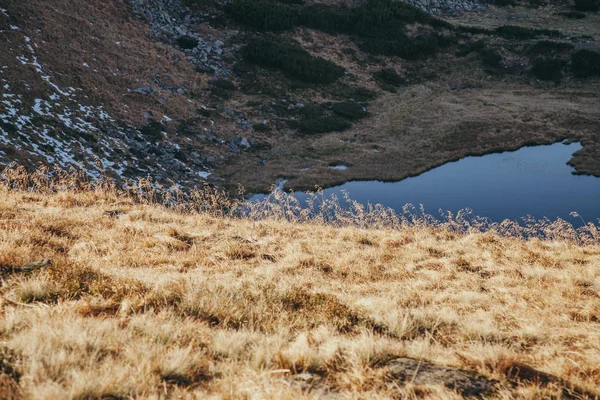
(104, 297)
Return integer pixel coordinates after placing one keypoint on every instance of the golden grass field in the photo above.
(143, 302)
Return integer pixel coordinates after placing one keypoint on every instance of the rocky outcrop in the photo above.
(447, 6)
(171, 22)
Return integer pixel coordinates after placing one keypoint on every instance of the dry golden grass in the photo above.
(145, 302)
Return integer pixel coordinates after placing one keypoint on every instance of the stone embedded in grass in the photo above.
(419, 372)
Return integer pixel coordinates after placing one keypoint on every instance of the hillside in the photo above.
(248, 92)
(106, 296)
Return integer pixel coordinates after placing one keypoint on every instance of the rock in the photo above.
(244, 142)
(148, 115)
(419, 372)
(181, 91)
(234, 148)
(219, 44)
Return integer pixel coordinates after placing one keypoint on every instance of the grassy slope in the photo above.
(150, 303)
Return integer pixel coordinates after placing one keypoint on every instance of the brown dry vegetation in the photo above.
(144, 302)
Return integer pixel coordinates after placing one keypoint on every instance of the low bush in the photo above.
(153, 130)
(491, 58)
(311, 111)
(573, 14)
(407, 48)
(389, 76)
(350, 110)
(260, 127)
(474, 30)
(519, 32)
(549, 47)
(503, 3)
(587, 5)
(262, 15)
(222, 89)
(324, 125)
(224, 84)
(548, 69)
(187, 42)
(468, 48)
(585, 63)
(293, 60)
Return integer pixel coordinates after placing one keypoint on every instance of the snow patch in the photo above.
(339, 167)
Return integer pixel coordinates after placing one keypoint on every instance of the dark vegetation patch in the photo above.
(350, 110)
(153, 130)
(324, 125)
(585, 63)
(519, 32)
(573, 14)
(260, 127)
(548, 69)
(503, 3)
(265, 16)
(293, 60)
(377, 25)
(549, 47)
(471, 47)
(491, 58)
(587, 5)
(187, 42)
(222, 88)
(389, 76)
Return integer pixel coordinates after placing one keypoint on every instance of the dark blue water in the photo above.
(531, 181)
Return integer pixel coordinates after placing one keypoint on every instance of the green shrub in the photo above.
(262, 15)
(354, 93)
(407, 48)
(292, 60)
(324, 125)
(389, 76)
(573, 14)
(224, 84)
(187, 42)
(548, 69)
(491, 58)
(311, 111)
(468, 48)
(549, 47)
(503, 3)
(474, 30)
(222, 88)
(585, 63)
(350, 110)
(260, 127)
(519, 32)
(587, 5)
(153, 130)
